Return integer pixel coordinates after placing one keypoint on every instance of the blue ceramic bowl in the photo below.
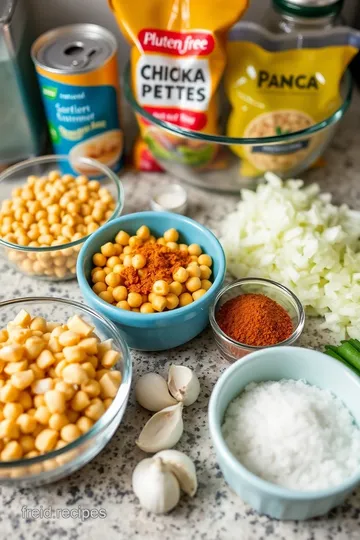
(274, 364)
(155, 331)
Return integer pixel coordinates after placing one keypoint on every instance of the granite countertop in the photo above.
(216, 513)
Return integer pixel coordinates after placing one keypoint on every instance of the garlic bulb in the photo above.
(156, 486)
(183, 384)
(152, 393)
(163, 430)
(182, 467)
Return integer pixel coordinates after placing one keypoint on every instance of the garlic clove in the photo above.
(163, 430)
(152, 393)
(183, 384)
(155, 486)
(182, 467)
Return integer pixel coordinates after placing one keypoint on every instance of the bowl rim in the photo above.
(264, 281)
(224, 139)
(222, 448)
(108, 173)
(132, 318)
(119, 400)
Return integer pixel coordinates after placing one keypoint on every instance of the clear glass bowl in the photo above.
(233, 350)
(185, 153)
(60, 463)
(56, 263)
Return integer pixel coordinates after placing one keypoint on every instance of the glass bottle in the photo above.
(288, 16)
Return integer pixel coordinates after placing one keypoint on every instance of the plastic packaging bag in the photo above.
(282, 84)
(177, 60)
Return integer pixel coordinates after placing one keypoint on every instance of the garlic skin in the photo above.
(155, 486)
(183, 384)
(152, 393)
(163, 430)
(182, 467)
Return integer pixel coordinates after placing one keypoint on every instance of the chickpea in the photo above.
(26, 423)
(108, 250)
(99, 276)
(138, 261)
(92, 388)
(134, 299)
(107, 296)
(11, 451)
(175, 288)
(58, 420)
(80, 401)
(27, 443)
(185, 299)
(134, 242)
(123, 304)
(171, 235)
(55, 401)
(158, 302)
(95, 410)
(99, 287)
(122, 238)
(146, 307)
(193, 270)
(173, 246)
(204, 259)
(143, 232)
(205, 272)
(180, 275)
(120, 293)
(70, 432)
(84, 424)
(172, 301)
(74, 374)
(161, 288)
(46, 440)
(205, 284)
(194, 249)
(99, 259)
(198, 294)
(113, 280)
(193, 284)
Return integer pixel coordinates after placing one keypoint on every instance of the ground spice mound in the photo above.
(161, 262)
(255, 319)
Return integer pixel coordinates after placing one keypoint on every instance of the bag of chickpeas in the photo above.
(279, 85)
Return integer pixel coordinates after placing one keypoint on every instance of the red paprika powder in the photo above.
(254, 319)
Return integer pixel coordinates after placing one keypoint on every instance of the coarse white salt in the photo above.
(293, 434)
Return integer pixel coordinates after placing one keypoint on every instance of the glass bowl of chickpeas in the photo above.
(47, 212)
(154, 274)
(65, 382)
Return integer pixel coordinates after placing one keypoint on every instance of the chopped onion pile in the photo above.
(294, 235)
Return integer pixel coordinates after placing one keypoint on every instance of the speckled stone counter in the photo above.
(215, 513)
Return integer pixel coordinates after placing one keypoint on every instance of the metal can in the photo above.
(78, 75)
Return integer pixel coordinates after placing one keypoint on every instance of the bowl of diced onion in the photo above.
(58, 409)
(47, 212)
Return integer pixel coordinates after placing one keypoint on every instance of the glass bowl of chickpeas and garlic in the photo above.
(154, 274)
(65, 381)
(46, 212)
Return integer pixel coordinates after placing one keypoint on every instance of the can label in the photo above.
(83, 119)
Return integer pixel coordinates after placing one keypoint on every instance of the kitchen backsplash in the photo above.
(48, 14)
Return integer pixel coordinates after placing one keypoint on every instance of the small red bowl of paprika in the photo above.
(255, 313)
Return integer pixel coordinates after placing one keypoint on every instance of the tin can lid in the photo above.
(74, 49)
(169, 198)
(309, 8)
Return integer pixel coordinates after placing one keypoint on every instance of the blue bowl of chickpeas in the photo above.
(153, 274)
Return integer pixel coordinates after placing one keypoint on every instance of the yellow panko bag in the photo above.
(280, 84)
(177, 60)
